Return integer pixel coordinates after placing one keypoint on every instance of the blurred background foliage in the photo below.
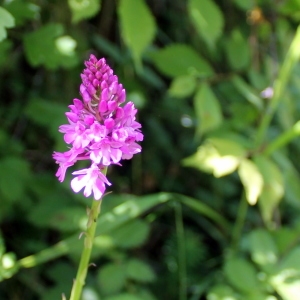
(210, 209)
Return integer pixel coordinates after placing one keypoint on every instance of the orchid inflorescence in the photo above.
(100, 129)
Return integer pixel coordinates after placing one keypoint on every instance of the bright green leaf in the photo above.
(273, 189)
(137, 26)
(237, 50)
(208, 109)
(207, 18)
(83, 9)
(182, 86)
(112, 278)
(263, 248)
(241, 274)
(140, 271)
(66, 45)
(251, 179)
(217, 156)
(178, 59)
(6, 21)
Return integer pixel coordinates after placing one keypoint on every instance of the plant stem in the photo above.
(87, 249)
(291, 59)
(181, 251)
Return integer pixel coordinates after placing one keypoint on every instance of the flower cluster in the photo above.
(100, 129)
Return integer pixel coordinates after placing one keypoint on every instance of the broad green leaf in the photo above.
(207, 19)
(6, 21)
(251, 179)
(137, 26)
(132, 234)
(273, 189)
(222, 292)
(183, 86)
(14, 177)
(237, 50)
(46, 46)
(139, 271)
(241, 274)
(179, 59)
(217, 156)
(207, 109)
(83, 9)
(263, 249)
(112, 278)
(286, 281)
(22, 10)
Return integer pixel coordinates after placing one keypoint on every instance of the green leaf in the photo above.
(14, 176)
(241, 274)
(207, 19)
(112, 278)
(137, 26)
(244, 4)
(217, 156)
(83, 9)
(5, 49)
(222, 292)
(237, 51)
(251, 179)
(273, 189)
(132, 234)
(22, 10)
(6, 21)
(46, 46)
(178, 59)
(182, 86)
(286, 281)
(124, 296)
(263, 249)
(207, 109)
(140, 271)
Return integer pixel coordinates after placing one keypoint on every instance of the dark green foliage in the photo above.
(210, 209)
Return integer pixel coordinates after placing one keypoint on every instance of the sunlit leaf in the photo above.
(83, 9)
(6, 21)
(207, 109)
(251, 179)
(222, 292)
(207, 18)
(137, 26)
(273, 189)
(217, 156)
(286, 280)
(178, 59)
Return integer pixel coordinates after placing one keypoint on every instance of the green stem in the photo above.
(87, 249)
(291, 59)
(283, 139)
(181, 251)
(239, 224)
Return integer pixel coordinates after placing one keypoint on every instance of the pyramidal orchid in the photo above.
(102, 129)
